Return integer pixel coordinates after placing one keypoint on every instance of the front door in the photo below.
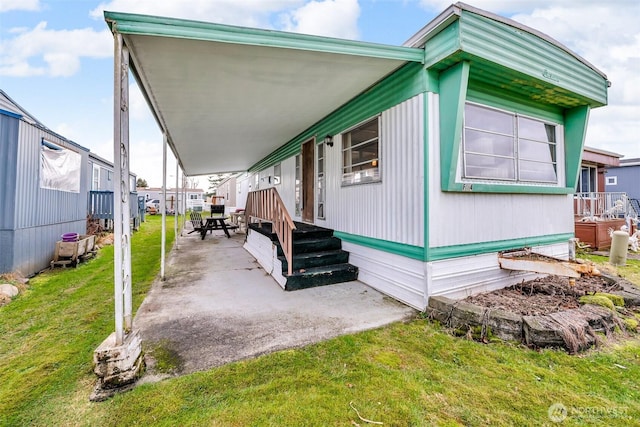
(307, 180)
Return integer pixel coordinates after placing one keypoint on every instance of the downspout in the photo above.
(176, 210)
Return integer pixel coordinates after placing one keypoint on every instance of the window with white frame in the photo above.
(95, 182)
(298, 185)
(611, 180)
(361, 153)
(321, 180)
(277, 174)
(506, 146)
(587, 180)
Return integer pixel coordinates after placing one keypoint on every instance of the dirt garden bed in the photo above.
(545, 312)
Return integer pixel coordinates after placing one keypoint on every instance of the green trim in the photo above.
(575, 129)
(409, 251)
(452, 99)
(427, 170)
(514, 103)
(403, 84)
(477, 187)
(453, 90)
(146, 25)
(456, 251)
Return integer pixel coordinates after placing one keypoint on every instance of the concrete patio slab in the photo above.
(217, 305)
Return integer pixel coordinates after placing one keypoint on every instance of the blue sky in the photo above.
(56, 56)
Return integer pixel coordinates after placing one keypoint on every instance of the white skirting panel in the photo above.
(265, 252)
(461, 277)
(397, 276)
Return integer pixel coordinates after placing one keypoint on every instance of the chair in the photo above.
(217, 210)
(196, 222)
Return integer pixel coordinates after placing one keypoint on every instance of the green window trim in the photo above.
(454, 91)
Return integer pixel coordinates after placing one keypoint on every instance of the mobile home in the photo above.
(43, 190)
(426, 159)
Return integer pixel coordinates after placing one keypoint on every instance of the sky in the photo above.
(56, 56)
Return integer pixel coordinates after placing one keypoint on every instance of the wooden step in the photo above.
(321, 276)
(315, 259)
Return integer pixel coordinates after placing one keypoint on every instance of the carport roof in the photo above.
(228, 96)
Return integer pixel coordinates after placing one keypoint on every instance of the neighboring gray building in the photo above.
(624, 178)
(43, 193)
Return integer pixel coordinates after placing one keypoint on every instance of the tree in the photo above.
(141, 183)
(215, 180)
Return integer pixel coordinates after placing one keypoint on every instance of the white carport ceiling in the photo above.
(227, 96)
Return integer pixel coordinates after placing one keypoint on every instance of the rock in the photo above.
(541, 331)
(505, 325)
(439, 308)
(464, 315)
(9, 290)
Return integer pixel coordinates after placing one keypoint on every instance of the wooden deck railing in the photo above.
(101, 204)
(267, 205)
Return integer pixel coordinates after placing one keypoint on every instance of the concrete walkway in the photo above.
(217, 305)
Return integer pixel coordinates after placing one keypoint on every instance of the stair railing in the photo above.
(267, 205)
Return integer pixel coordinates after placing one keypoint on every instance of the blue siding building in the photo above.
(624, 178)
(43, 189)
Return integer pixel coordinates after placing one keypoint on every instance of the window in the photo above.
(277, 174)
(500, 145)
(109, 175)
(587, 181)
(59, 168)
(95, 182)
(360, 154)
(612, 180)
(321, 180)
(298, 185)
(193, 196)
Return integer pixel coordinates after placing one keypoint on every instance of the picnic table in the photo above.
(216, 223)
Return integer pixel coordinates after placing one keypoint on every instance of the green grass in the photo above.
(414, 374)
(48, 333)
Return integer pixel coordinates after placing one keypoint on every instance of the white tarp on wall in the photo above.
(60, 169)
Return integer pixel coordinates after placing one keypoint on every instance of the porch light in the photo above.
(328, 140)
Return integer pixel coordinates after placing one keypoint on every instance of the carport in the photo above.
(224, 97)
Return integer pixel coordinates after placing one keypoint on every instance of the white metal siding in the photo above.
(400, 277)
(463, 218)
(392, 209)
(461, 277)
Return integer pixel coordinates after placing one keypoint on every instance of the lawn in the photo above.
(404, 374)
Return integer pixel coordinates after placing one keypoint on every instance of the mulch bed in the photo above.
(542, 296)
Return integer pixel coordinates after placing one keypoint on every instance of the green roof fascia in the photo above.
(403, 84)
(517, 56)
(146, 25)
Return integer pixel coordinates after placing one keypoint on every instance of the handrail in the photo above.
(605, 204)
(267, 205)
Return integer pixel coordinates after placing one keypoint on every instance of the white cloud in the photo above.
(334, 18)
(138, 108)
(29, 5)
(251, 13)
(40, 51)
